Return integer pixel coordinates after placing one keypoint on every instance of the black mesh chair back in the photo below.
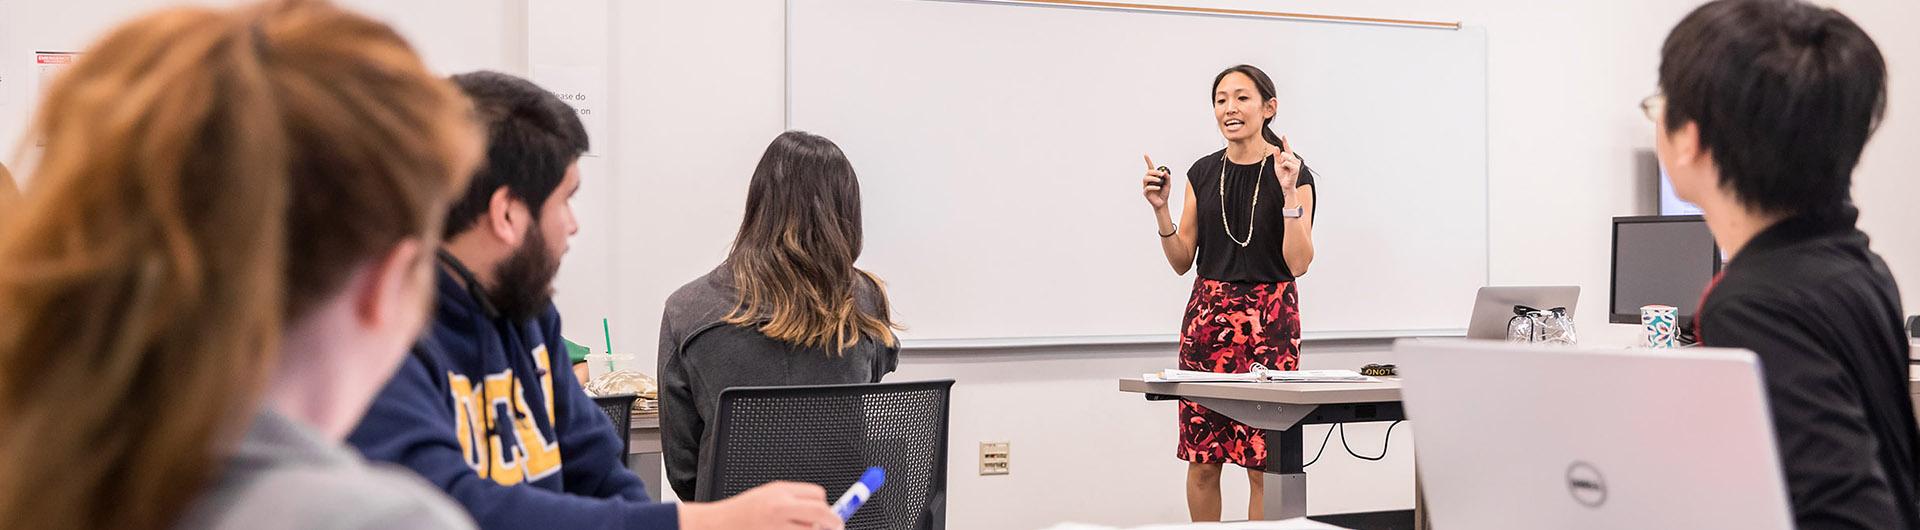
(619, 409)
(829, 435)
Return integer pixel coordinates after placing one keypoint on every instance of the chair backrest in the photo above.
(828, 435)
(619, 410)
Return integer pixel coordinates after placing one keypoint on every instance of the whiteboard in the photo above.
(999, 151)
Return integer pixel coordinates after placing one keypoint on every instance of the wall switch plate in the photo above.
(994, 458)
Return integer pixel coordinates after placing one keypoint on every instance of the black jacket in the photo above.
(701, 355)
(1822, 312)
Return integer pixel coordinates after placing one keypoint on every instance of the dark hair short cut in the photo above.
(532, 137)
(1785, 94)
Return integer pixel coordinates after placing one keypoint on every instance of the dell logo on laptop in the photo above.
(1586, 484)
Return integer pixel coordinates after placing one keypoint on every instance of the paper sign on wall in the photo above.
(50, 64)
(584, 88)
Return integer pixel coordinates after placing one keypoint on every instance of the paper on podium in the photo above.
(1300, 523)
(1258, 376)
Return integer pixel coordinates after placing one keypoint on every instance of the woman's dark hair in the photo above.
(1260, 82)
(793, 259)
(1785, 94)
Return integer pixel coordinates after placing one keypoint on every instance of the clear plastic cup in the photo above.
(599, 364)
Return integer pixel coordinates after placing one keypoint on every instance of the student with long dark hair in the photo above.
(1248, 227)
(787, 307)
(225, 254)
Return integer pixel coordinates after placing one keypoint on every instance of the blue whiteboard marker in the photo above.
(857, 493)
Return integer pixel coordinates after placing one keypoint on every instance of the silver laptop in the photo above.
(1493, 307)
(1531, 437)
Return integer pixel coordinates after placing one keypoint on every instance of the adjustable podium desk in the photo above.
(1280, 408)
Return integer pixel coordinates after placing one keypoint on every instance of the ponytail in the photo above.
(1266, 132)
(191, 158)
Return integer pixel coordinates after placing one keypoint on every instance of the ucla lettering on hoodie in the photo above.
(496, 429)
(487, 409)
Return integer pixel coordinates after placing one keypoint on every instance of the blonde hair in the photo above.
(209, 174)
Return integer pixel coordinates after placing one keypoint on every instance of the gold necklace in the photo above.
(1257, 177)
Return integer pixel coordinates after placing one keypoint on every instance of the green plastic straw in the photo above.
(608, 333)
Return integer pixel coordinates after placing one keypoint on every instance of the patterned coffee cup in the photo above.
(1662, 325)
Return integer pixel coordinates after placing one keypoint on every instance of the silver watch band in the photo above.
(1293, 213)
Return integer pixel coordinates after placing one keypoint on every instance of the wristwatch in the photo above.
(1293, 213)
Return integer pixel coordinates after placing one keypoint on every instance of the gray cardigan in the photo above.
(701, 355)
(286, 476)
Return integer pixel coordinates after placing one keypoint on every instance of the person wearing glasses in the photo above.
(1763, 110)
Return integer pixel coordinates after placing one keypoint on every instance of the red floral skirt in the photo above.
(1230, 326)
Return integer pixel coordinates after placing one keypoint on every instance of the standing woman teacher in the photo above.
(1248, 218)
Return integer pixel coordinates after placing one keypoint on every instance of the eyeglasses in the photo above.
(1654, 107)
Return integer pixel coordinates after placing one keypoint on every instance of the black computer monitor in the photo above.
(1660, 260)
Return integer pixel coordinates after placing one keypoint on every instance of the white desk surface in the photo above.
(1388, 389)
(1289, 524)
(1313, 393)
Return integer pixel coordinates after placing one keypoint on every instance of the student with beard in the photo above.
(486, 407)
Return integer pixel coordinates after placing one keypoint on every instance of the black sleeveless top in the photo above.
(1220, 257)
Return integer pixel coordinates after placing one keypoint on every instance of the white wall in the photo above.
(452, 37)
(481, 34)
(29, 26)
(701, 93)
(1888, 180)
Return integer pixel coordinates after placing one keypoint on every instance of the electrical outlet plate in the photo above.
(995, 457)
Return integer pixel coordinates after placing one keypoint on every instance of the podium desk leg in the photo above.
(1286, 491)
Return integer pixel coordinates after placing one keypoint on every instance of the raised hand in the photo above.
(1286, 168)
(1156, 186)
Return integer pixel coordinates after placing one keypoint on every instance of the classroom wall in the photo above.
(1565, 138)
(452, 37)
(700, 92)
(484, 34)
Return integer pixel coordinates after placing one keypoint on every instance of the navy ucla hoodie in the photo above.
(489, 410)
